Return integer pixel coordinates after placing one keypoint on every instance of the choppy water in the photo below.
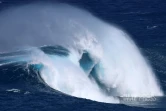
(75, 56)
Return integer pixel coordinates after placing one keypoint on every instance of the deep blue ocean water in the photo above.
(143, 20)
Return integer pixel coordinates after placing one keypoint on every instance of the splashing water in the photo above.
(118, 63)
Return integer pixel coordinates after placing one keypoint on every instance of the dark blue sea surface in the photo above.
(23, 89)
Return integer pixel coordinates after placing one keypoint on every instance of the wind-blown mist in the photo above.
(117, 67)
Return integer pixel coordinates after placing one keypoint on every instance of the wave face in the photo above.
(93, 59)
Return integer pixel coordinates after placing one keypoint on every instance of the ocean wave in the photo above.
(60, 50)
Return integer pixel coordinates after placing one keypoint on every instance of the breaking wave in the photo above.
(73, 52)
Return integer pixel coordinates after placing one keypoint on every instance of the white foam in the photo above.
(61, 73)
(124, 68)
(13, 90)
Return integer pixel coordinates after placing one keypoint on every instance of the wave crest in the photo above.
(96, 61)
